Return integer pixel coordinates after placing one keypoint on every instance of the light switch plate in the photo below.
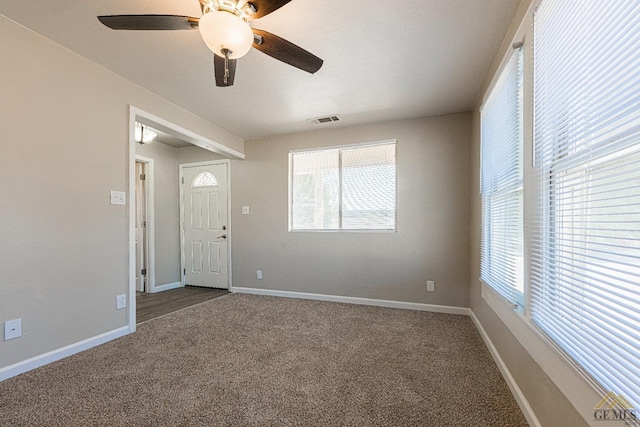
(121, 301)
(12, 329)
(245, 210)
(118, 198)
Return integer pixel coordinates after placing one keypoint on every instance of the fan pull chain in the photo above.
(226, 53)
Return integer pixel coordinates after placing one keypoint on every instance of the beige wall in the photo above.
(550, 386)
(432, 242)
(195, 154)
(64, 135)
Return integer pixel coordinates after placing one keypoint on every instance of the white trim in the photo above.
(356, 300)
(519, 36)
(151, 228)
(342, 230)
(136, 114)
(205, 163)
(167, 287)
(229, 228)
(571, 384)
(347, 146)
(54, 355)
(339, 148)
(229, 233)
(517, 393)
(131, 312)
(183, 261)
(184, 134)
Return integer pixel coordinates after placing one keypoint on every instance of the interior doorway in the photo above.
(135, 256)
(143, 204)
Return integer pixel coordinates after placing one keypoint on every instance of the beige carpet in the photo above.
(253, 360)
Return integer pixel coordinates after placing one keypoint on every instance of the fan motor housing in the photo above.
(245, 11)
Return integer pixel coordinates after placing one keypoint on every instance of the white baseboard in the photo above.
(166, 287)
(61, 353)
(522, 401)
(355, 300)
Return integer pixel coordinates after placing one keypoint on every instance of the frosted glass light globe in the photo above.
(144, 137)
(224, 30)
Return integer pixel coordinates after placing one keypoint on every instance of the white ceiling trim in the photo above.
(151, 120)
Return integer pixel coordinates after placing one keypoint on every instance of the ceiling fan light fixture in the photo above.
(222, 30)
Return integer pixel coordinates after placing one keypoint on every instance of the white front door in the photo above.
(205, 225)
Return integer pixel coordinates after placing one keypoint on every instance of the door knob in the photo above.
(224, 236)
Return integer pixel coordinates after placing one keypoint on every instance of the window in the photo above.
(204, 179)
(501, 251)
(585, 271)
(343, 188)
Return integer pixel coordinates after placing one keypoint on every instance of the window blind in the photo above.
(501, 250)
(344, 188)
(315, 190)
(585, 289)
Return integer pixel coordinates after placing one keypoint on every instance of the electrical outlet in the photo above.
(12, 329)
(121, 301)
(259, 274)
(431, 286)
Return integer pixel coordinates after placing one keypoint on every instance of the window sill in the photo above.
(569, 381)
(343, 231)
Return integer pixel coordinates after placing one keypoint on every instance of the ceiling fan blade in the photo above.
(265, 7)
(149, 22)
(224, 67)
(285, 51)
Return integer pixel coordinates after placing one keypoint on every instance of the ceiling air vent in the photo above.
(323, 120)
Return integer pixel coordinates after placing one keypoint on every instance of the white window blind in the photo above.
(585, 290)
(501, 250)
(344, 188)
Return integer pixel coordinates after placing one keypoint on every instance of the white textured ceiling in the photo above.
(170, 140)
(382, 60)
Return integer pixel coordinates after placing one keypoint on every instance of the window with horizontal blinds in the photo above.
(585, 266)
(344, 188)
(501, 250)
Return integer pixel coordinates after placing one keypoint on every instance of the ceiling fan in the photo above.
(225, 26)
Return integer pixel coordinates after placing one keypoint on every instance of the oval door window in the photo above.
(204, 179)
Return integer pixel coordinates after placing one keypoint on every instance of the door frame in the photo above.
(150, 282)
(229, 233)
(139, 115)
